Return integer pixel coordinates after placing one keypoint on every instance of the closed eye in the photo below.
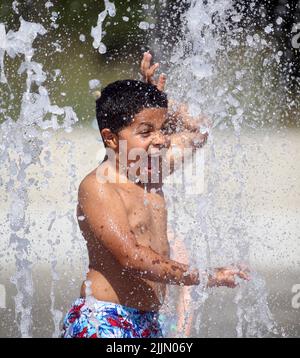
(145, 133)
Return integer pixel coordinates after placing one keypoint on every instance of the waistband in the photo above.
(92, 302)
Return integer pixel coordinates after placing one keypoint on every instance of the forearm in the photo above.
(181, 120)
(187, 139)
(183, 130)
(150, 265)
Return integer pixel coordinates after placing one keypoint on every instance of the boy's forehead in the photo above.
(150, 115)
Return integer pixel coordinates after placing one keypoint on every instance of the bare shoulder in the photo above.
(93, 189)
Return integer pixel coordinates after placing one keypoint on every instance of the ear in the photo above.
(110, 139)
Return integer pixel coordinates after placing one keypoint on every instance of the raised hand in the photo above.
(148, 72)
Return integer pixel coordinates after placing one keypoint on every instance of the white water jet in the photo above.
(213, 81)
(201, 70)
(97, 32)
(22, 141)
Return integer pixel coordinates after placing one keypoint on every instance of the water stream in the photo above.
(214, 68)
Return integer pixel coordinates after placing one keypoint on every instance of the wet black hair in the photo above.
(120, 101)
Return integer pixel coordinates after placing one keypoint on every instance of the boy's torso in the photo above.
(147, 216)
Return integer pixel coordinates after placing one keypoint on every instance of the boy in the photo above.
(124, 220)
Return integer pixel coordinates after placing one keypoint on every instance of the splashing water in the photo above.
(223, 88)
(97, 32)
(22, 141)
(254, 316)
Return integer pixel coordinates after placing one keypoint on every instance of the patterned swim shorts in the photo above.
(90, 318)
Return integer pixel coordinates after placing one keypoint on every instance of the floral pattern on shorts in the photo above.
(99, 319)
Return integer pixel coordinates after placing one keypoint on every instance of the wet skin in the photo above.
(146, 214)
(110, 281)
(125, 224)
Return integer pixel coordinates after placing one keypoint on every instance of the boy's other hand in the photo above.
(148, 72)
(226, 276)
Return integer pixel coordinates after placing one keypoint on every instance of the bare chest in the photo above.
(147, 215)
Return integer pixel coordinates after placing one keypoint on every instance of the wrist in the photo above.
(210, 278)
(190, 276)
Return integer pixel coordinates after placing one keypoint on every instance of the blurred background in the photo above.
(265, 153)
(67, 46)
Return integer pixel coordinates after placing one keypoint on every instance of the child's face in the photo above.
(145, 132)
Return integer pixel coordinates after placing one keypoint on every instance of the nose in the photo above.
(159, 140)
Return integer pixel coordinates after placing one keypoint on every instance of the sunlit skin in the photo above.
(125, 223)
(146, 132)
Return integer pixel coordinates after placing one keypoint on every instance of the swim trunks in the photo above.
(91, 318)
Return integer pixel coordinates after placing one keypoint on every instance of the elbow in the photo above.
(126, 262)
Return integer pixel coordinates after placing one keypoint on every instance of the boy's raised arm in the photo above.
(106, 215)
(183, 130)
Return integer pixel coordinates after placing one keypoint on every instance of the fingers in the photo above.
(145, 64)
(226, 276)
(241, 274)
(230, 274)
(243, 271)
(244, 275)
(161, 82)
(148, 71)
